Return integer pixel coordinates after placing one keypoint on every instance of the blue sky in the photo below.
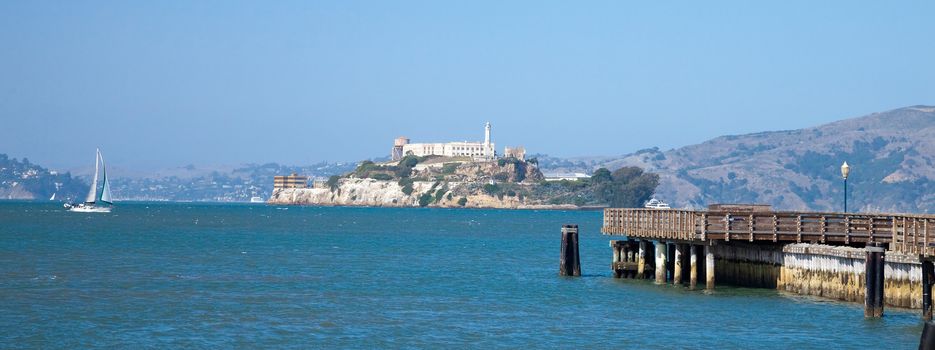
(163, 83)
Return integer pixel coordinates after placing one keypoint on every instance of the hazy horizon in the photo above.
(174, 83)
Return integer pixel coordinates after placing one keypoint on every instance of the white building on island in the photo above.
(476, 150)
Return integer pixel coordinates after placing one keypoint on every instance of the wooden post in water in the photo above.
(641, 260)
(880, 279)
(693, 267)
(660, 261)
(570, 264)
(873, 280)
(928, 278)
(677, 270)
(927, 340)
(709, 267)
(615, 245)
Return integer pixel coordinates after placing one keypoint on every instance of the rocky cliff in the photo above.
(381, 193)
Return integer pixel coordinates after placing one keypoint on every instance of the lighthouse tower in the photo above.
(489, 151)
(487, 134)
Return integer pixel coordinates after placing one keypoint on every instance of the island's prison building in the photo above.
(290, 181)
(477, 150)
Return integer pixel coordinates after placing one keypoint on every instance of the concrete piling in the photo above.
(709, 268)
(615, 247)
(660, 261)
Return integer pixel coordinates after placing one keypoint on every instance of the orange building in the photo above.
(290, 181)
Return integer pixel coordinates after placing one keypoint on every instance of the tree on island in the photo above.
(627, 187)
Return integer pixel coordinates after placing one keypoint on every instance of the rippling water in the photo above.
(207, 275)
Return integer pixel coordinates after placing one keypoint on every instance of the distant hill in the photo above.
(214, 184)
(890, 154)
(20, 179)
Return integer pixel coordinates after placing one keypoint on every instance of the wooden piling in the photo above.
(615, 246)
(927, 340)
(660, 261)
(677, 269)
(880, 280)
(873, 281)
(870, 269)
(570, 264)
(928, 278)
(709, 267)
(693, 267)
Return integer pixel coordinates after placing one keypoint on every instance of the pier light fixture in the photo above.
(845, 170)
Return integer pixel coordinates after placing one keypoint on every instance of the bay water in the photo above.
(187, 275)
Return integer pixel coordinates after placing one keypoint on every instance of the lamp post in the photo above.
(845, 170)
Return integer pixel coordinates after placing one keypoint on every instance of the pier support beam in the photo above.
(570, 264)
(693, 267)
(709, 267)
(641, 261)
(928, 278)
(677, 269)
(873, 280)
(660, 262)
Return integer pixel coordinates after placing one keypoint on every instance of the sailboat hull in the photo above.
(83, 209)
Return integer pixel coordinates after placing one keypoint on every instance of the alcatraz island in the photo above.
(465, 175)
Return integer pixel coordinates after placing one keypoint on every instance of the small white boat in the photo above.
(96, 202)
(257, 199)
(53, 197)
(656, 204)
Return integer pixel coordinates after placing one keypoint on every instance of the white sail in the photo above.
(105, 192)
(92, 194)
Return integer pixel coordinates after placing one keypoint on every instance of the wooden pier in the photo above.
(676, 238)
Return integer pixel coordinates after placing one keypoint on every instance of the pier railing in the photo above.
(912, 234)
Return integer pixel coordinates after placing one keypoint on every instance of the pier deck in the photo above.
(747, 245)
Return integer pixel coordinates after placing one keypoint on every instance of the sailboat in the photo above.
(96, 202)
